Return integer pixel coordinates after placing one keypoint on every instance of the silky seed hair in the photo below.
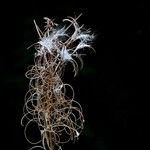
(59, 117)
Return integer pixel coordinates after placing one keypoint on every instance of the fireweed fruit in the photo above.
(59, 118)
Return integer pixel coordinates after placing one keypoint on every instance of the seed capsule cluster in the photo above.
(58, 116)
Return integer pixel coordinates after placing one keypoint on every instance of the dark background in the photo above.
(107, 87)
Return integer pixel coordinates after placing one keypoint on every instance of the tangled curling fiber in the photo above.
(59, 118)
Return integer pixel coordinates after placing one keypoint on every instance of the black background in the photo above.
(107, 86)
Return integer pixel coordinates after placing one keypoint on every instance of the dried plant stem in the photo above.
(58, 116)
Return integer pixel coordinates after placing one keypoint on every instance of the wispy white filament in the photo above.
(61, 44)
